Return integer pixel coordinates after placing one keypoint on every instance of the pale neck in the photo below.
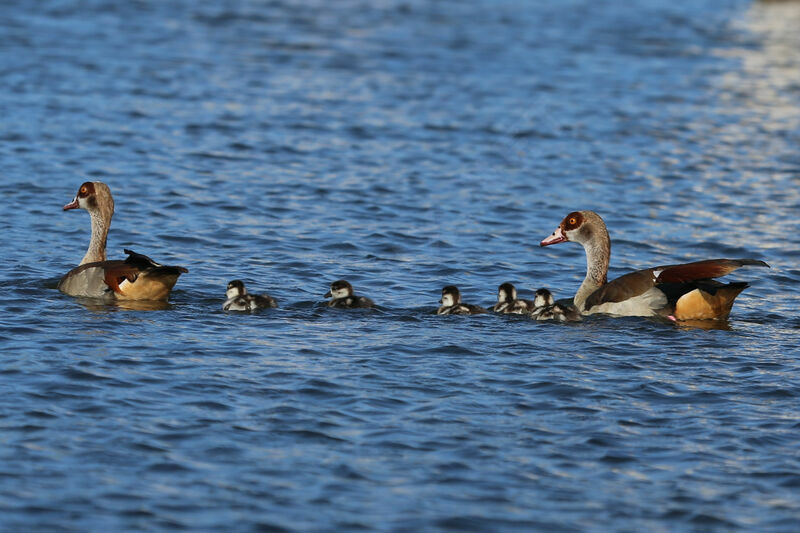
(97, 244)
(598, 255)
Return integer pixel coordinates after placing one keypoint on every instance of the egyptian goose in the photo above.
(342, 295)
(508, 303)
(238, 299)
(679, 292)
(451, 303)
(136, 278)
(546, 308)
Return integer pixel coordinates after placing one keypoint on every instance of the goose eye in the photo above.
(572, 221)
(83, 190)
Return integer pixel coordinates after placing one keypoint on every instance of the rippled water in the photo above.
(403, 145)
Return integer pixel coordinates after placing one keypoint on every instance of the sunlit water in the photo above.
(404, 146)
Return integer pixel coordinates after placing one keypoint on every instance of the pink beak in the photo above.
(557, 237)
(72, 205)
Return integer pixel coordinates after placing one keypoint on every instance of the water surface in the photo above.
(403, 145)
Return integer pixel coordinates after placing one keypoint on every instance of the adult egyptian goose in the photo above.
(342, 295)
(136, 278)
(681, 292)
(507, 301)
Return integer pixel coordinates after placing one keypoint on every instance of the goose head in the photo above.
(94, 196)
(339, 289)
(506, 293)
(543, 298)
(235, 288)
(450, 296)
(583, 227)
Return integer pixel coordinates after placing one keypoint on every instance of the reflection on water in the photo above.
(769, 78)
(704, 324)
(99, 304)
(748, 145)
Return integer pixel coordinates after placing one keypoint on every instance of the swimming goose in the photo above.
(238, 299)
(451, 303)
(342, 295)
(136, 278)
(546, 308)
(679, 292)
(507, 301)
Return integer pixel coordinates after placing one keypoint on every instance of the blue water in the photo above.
(403, 145)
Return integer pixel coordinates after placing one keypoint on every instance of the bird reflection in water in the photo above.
(96, 304)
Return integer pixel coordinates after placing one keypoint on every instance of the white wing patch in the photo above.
(646, 304)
